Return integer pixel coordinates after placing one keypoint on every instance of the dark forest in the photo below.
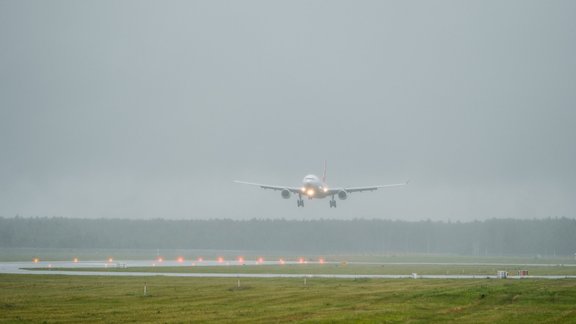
(553, 236)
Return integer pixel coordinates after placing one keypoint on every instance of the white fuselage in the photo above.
(313, 187)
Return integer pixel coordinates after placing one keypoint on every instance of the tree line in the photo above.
(489, 237)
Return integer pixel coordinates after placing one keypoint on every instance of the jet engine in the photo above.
(342, 194)
(285, 193)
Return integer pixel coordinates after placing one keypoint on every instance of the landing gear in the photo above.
(332, 203)
(300, 201)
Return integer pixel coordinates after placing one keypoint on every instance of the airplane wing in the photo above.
(370, 188)
(264, 186)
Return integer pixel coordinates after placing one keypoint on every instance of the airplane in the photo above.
(315, 188)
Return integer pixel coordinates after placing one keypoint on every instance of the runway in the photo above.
(24, 268)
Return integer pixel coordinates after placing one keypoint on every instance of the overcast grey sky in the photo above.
(147, 109)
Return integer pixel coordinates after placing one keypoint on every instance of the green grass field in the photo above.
(73, 299)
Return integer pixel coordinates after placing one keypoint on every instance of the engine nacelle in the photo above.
(285, 193)
(343, 195)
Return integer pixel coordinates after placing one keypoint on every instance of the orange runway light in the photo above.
(180, 259)
(281, 261)
(160, 259)
(301, 260)
(240, 260)
(220, 259)
(75, 260)
(260, 260)
(110, 260)
(321, 261)
(200, 259)
(36, 260)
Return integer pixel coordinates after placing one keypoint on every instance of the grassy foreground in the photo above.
(36, 298)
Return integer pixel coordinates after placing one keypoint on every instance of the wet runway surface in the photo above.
(50, 268)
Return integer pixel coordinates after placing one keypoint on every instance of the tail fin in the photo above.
(324, 174)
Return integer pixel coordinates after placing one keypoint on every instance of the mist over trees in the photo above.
(552, 236)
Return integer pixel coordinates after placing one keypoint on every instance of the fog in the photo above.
(150, 109)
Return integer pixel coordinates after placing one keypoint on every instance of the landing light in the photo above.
(303, 189)
(310, 192)
(325, 189)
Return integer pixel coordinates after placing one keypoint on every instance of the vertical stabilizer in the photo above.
(324, 174)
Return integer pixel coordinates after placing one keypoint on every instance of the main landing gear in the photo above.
(300, 201)
(332, 203)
